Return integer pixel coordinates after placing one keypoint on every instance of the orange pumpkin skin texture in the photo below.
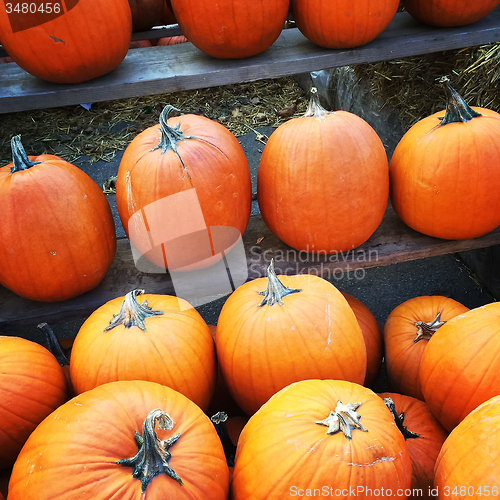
(89, 40)
(447, 13)
(174, 349)
(470, 457)
(405, 341)
(460, 364)
(285, 434)
(444, 178)
(373, 338)
(94, 430)
(323, 163)
(209, 159)
(424, 447)
(32, 385)
(231, 30)
(340, 25)
(262, 349)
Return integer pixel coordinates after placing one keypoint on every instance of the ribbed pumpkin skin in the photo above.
(460, 364)
(176, 350)
(231, 30)
(323, 185)
(372, 335)
(446, 13)
(337, 24)
(403, 356)
(444, 179)
(425, 449)
(83, 438)
(89, 40)
(215, 165)
(283, 435)
(32, 385)
(57, 236)
(470, 456)
(314, 334)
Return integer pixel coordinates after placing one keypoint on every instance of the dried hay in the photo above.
(72, 131)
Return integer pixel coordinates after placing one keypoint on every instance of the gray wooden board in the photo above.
(391, 243)
(156, 70)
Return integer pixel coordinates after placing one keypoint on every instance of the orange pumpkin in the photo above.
(146, 337)
(130, 440)
(32, 385)
(339, 25)
(373, 338)
(447, 13)
(76, 41)
(167, 17)
(172, 40)
(321, 436)
(323, 163)
(407, 331)
(445, 172)
(140, 44)
(57, 237)
(281, 329)
(228, 29)
(424, 437)
(460, 364)
(469, 460)
(146, 13)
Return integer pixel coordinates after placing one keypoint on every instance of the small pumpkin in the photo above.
(281, 329)
(340, 25)
(140, 44)
(321, 435)
(146, 13)
(424, 437)
(152, 337)
(445, 172)
(127, 440)
(32, 385)
(172, 40)
(323, 163)
(407, 330)
(57, 237)
(460, 365)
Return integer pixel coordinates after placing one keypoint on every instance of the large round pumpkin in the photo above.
(281, 329)
(159, 338)
(32, 385)
(231, 30)
(407, 331)
(327, 436)
(130, 440)
(460, 365)
(57, 236)
(177, 179)
(337, 24)
(445, 172)
(447, 13)
(323, 181)
(70, 41)
(424, 437)
(469, 460)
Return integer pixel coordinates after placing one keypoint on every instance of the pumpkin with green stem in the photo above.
(128, 439)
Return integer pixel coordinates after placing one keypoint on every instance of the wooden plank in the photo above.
(156, 70)
(392, 242)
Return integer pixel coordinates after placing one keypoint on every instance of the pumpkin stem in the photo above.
(426, 330)
(275, 290)
(399, 419)
(315, 110)
(170, 136)
(53, 344)
(20, 159)
(457, 110)
(132, 313)
(153, 455)
(219, 420)
(344, 418)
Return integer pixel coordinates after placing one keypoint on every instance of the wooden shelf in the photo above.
(156, 70)
(391, 243)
